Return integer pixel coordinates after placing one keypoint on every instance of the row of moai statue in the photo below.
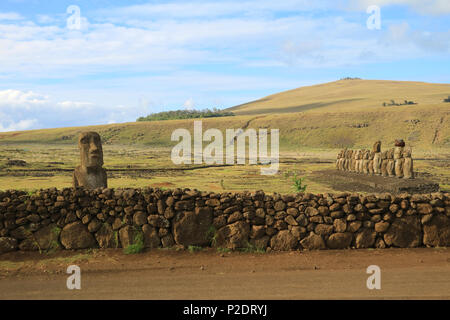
(395, 162)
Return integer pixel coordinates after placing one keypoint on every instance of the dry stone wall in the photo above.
(107, 218)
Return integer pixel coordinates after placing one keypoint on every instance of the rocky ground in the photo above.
(419, 273)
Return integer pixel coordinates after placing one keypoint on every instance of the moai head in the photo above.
(377, 147)
(399, 143)
(372, 155)
(384, 155)
(91, 151)
(366, 154)
(350, 154)
(390, 153)
(407, 153)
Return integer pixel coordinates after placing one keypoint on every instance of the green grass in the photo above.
(250, 248)
(137, 246)
(193, 249)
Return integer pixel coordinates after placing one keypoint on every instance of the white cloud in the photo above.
(18, 126)
(189, 104)
(433, 7)
(10, 16)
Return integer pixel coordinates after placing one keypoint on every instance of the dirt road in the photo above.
(169, 274)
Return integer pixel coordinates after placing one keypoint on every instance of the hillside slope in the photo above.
(325, 122)
(347, 95)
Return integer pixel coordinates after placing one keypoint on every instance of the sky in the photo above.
(84, 62)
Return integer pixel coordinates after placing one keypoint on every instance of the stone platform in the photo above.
(355, 182)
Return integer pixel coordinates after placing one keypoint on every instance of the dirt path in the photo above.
(170, 274)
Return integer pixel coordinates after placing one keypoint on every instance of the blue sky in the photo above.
(132, 58)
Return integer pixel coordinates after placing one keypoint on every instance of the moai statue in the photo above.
(390, 163)
(341, 155)
(361, 161)
(366, 162)
(371, 156)
(398, 161)
(377, 158)
(384, 163)
(354, 161)
(408, 172)
(90, 173)
(349, 160)
(338, 158)
(344, 160)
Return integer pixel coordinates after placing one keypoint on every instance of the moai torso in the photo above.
(354, 160)
(408, 170)
(398, 158)
(384, 163)
(372, 155)
(366, 162)
(390, 163)
(90, 173)
(377, 158)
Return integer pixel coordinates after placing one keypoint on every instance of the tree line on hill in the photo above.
(186, 114)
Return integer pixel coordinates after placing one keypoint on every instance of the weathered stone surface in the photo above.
(313, 242)
(151, 238)
(128, 236)
(283, 241)
(140, 218)
(7, 244)
(436, 233)
(340, 225)
(76, 236)
(257, 232)
(424, 208)
(404, 233)
(191, 228)
(381, 226)
(94, 225)
(261, 243)
(323, 229)
(47, 237)
(233, 236)
(365, 238)
(106, 237)
(340, 240)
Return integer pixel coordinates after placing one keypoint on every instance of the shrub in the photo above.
(137, 246)
(186, 114)
(298, 184)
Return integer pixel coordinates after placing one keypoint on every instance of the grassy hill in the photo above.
(346, 96)
(346, 113)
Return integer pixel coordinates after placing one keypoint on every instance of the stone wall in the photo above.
(108, 218)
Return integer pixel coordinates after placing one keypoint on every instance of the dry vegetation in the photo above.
(314, 123)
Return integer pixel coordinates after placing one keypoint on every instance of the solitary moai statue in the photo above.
(384, 163)
(377, 158)
(90, 173)
(408, 172)
(398, 158)
(390, 163)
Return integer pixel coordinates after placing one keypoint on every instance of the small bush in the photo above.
(447, 99)
(137, 246)
(298, 184)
